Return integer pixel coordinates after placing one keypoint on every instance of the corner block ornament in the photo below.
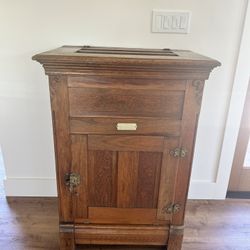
(198, 85)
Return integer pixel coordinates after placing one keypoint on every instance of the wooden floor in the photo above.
(32, 224)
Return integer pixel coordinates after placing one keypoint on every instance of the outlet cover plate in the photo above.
(164, 21)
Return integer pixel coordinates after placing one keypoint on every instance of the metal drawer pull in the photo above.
(126, 126)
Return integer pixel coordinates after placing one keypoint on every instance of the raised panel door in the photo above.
(124, 179)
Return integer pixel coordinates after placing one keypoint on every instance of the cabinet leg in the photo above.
(67, 241)
(175, 237)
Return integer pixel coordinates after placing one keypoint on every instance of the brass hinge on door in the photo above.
(72, 180)
(179, 152)
(172, 208)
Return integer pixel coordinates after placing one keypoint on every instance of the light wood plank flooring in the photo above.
(32, 224)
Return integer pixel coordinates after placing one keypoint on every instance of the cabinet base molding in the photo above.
(80, 234)
(121, 235)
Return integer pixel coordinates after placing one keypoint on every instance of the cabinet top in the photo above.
(125, 58)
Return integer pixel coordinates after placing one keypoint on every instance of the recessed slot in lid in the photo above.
(126, 51)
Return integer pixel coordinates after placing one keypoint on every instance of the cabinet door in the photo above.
(123, 179)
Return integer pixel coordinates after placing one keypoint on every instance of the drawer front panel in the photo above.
(98, 125)
(125, 102)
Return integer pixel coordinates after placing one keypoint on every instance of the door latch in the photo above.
(72, 180)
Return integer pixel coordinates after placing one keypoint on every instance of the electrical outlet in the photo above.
(164, 21)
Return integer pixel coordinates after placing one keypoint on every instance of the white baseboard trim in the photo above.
(46, 187)
(40, 187)
(204, 190)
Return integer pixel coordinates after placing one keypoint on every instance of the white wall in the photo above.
(241, 82)
(28, 27)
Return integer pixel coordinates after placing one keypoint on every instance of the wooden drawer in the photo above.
(92, 101)
(119, 125)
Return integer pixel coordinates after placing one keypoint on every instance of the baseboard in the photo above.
(41, 187)
(46, 187)
(203, 190)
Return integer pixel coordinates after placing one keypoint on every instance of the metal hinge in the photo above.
(72, 180)
(178, 152)
(172, 208)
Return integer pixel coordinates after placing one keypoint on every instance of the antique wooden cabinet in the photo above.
(124, 130)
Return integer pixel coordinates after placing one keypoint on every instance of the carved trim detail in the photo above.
(55, 78)
(198, 86)
(53, 81)
(177, 230)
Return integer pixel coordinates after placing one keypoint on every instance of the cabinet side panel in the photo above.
(192, 104)
(60, 114)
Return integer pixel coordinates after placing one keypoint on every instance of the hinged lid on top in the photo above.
(126, 51)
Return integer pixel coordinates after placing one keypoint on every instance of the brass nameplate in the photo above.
(126, 126)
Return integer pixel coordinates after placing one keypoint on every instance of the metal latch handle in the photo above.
(72, 180)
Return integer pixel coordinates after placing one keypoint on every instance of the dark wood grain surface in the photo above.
(189, 125)
(32, 224)
(108, 235)
(60, 112)
(135, 102)
(127, 179)
(167, 178)
(149, 168)
(126, 143)
(80, 165)
(102, 178)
